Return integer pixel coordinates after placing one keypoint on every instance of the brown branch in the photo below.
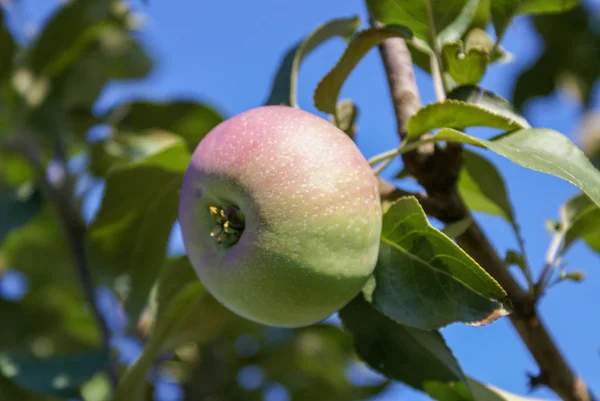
(437, 171)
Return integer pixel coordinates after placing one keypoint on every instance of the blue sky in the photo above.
(226, 53)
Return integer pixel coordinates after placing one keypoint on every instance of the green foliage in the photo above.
(130, 232)
(49, 319)
(328, 90)
(443, 19)
(542, 150)
(562, 65)
(466, 106)
(59, 376)
(465, 66)
(579, 220)
(425, 280)
(502, 11)
(189, 120)
(51, 347)
(412, 356)
(483, 188)
(285, 84)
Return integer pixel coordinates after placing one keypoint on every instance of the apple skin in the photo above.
(312, 216)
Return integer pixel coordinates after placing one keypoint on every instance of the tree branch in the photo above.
(60, 195)
(437, 171)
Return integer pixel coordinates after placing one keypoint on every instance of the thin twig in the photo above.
(445, 203)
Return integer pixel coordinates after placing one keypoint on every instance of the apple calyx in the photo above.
(229, 225)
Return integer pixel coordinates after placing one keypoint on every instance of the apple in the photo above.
(280, 216)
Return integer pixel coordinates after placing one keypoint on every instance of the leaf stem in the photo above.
(437, 62)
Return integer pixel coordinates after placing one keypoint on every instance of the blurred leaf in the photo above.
(580, 219)
(416, 357)
(503, 11)
(65, 31)
(84, 45)
(124, 148)
(424, 280)
(562, 65)
(98, 388)
(11, 391)
(188, 119)
(466, 66)
(129, 235)
(345, 117)
(589, 135)
(328, 90)
(284, 89)
(60, 376)
(542, 150)
(168, 322)
(466, 106)
(7, 49)
(50, 317)
(451, 18)
(457, 228)
(17, 207)
(483, 188)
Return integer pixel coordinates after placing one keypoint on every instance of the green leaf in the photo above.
(503, 11)
(542, 150)
(60, 376)
(424, 280)
(188, 119)
(580, 219)
(17, 207)
(482, 187)
(483, 110)
(329, 88)
(130, 233)
(464, 66)
(478, 391)
(345, 117)
(457, 228)
(412, 356)
(473, 94)
(126, 148)
(179, 301)
(451, 18)
(285, 84)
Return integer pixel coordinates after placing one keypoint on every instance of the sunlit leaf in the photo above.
(129, 235)
(424, 280)
(328, 90)
(580, 219)
(478, 108)
(188, 119)
(284, 90)
(450, 18)
(542, 150)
